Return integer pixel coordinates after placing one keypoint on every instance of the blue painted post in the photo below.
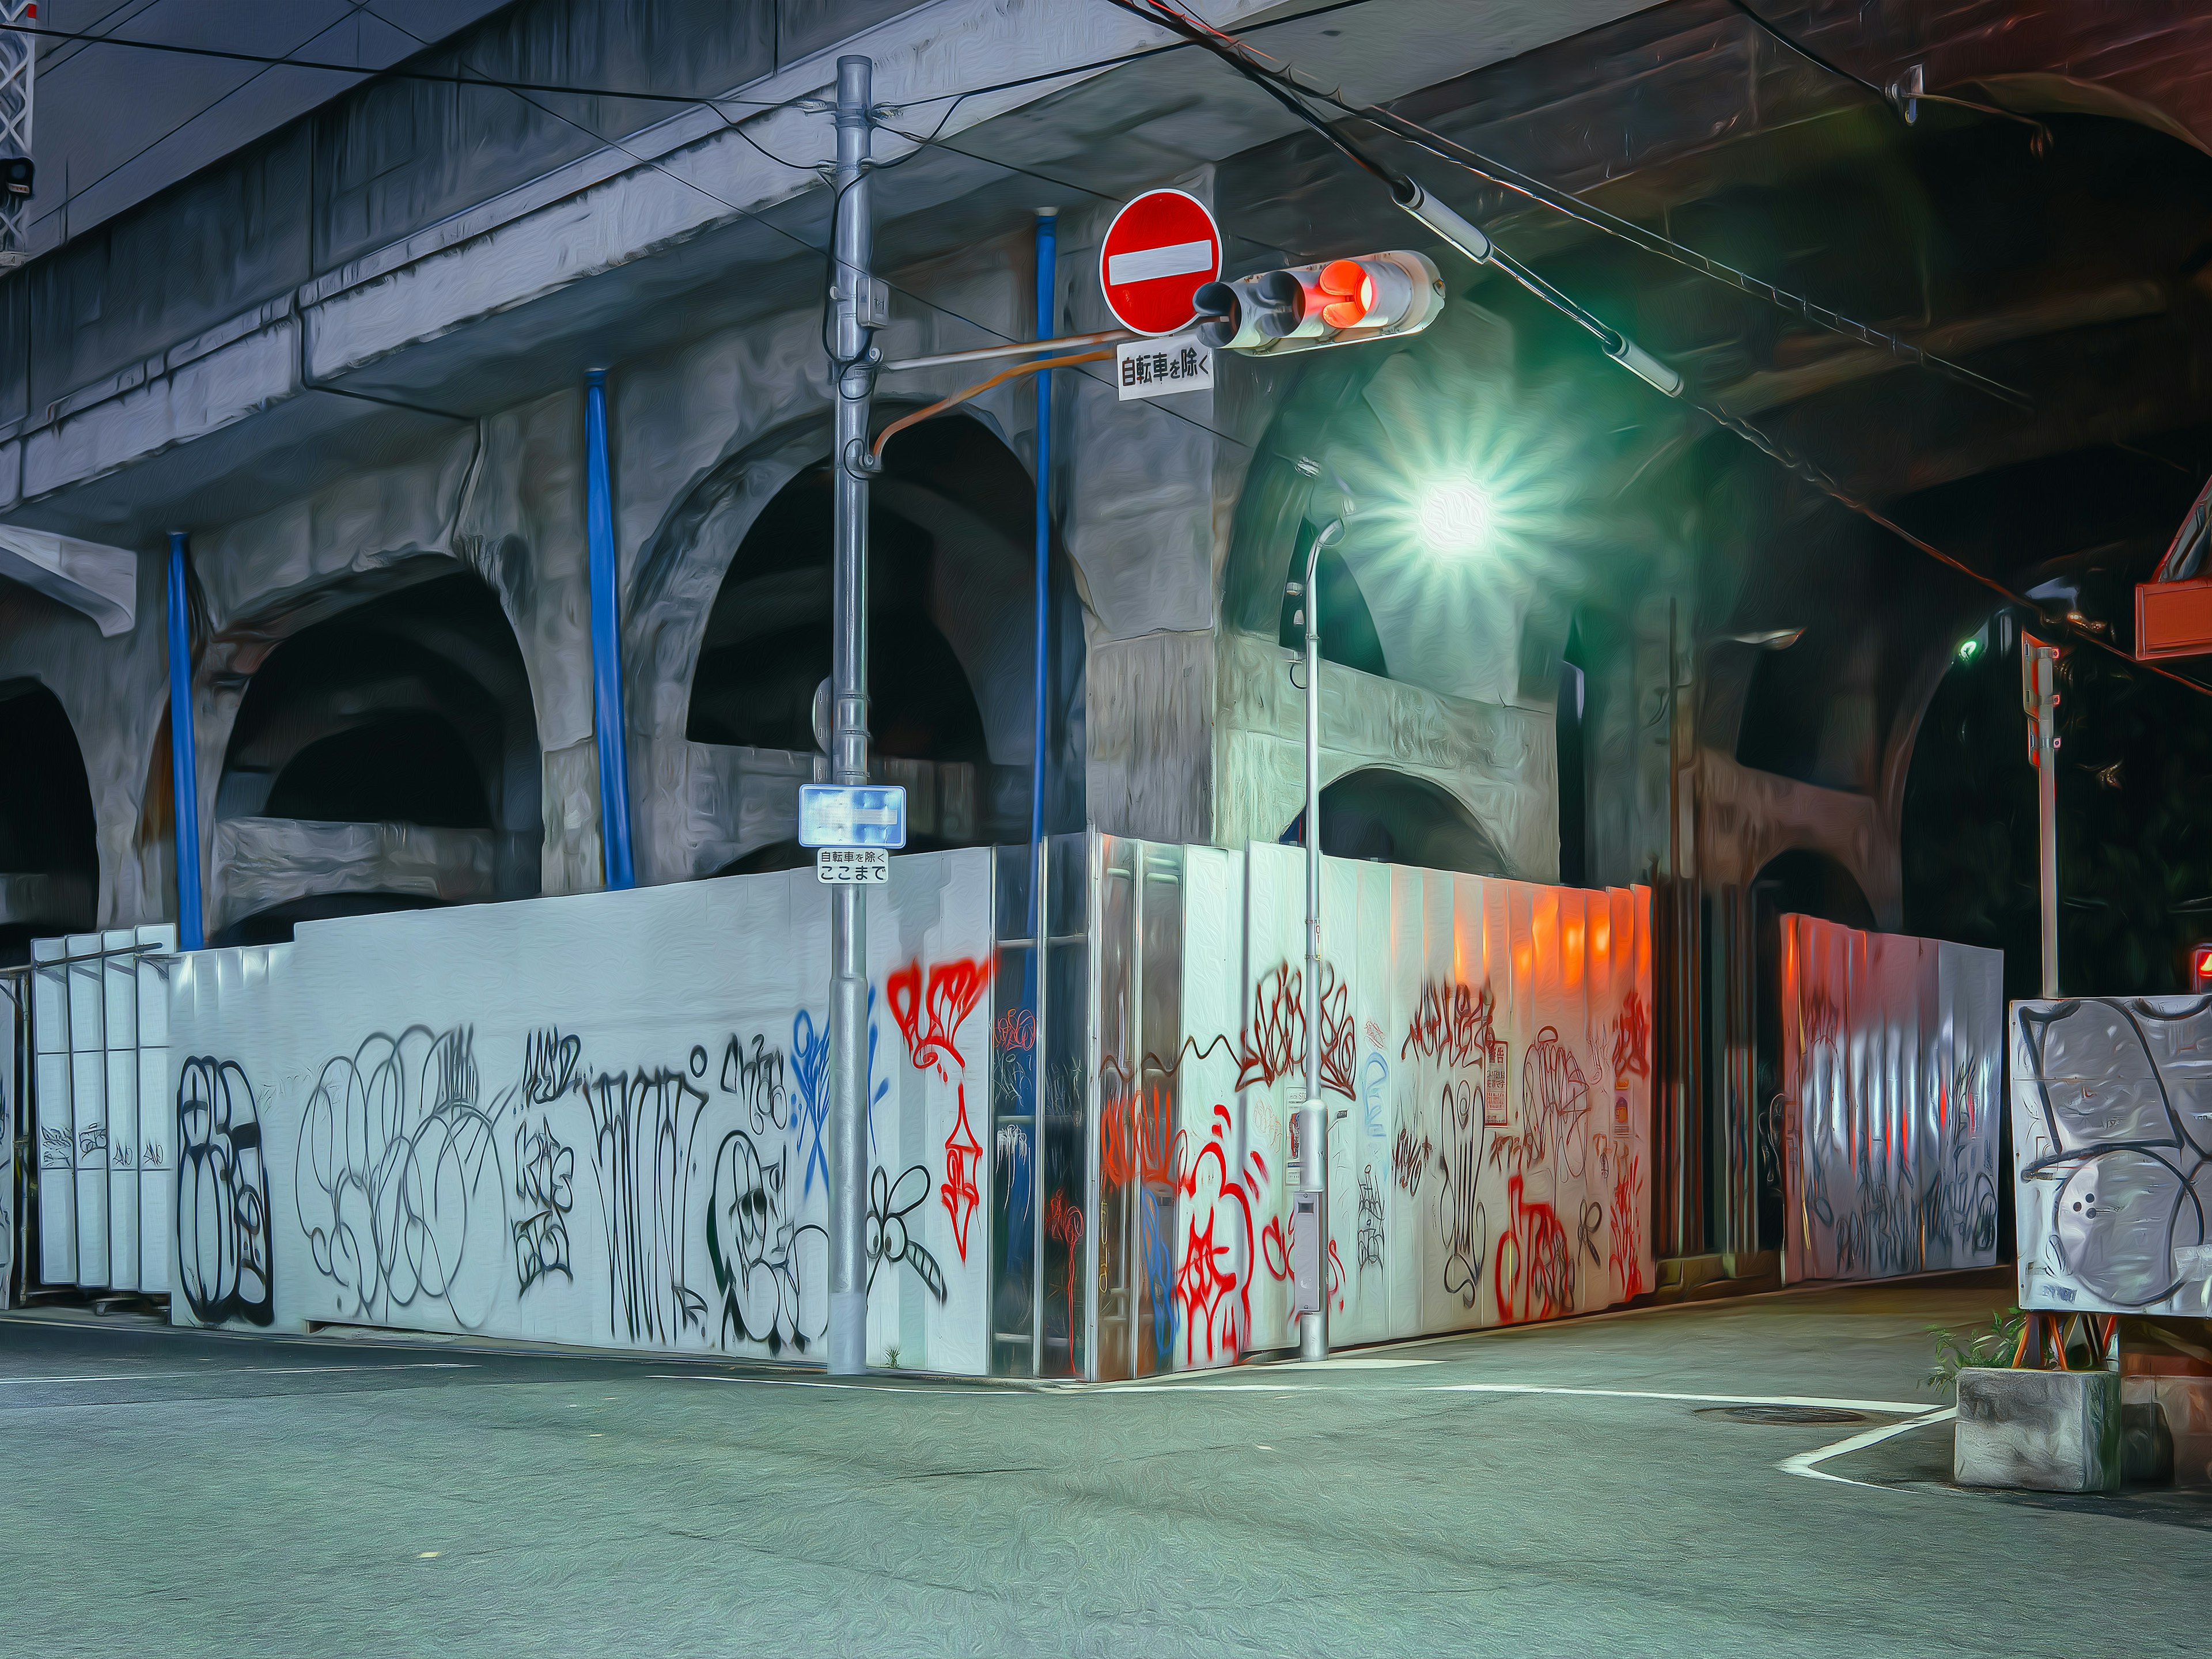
(183, 753)
(1048, 245)
(606, 642)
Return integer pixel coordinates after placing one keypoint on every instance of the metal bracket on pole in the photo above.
(852, 243)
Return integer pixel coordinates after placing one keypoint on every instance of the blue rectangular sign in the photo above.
(852, 815)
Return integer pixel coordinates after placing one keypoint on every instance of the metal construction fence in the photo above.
(603, 1120)
(1891, 1070)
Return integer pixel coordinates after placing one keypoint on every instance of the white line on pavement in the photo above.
(234, 1370)
(1805, 1463)
(1890, 1407)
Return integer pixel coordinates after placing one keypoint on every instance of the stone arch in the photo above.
(732, 621)
(1394, 818)
(49, 853)
(383, 754)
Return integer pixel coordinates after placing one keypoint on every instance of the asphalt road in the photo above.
(179, 1494)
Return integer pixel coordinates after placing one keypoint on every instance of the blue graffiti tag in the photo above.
(1159, 1275)
(1375, 1090)
(809, 1082)
(809, 1075)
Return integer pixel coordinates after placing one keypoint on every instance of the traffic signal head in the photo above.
(2200, 968)
(1376, 296)
(17, 172)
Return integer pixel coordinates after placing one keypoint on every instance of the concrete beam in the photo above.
(102, 581)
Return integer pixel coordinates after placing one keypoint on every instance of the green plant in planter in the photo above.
(1956, 1351)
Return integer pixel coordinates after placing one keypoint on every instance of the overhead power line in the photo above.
(1281, 84)
(1231, 52)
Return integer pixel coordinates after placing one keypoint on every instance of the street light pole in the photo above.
(1313, 1121)
(2038, 666)
(853, 245)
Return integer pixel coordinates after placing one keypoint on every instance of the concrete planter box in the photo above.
(2045, 1430)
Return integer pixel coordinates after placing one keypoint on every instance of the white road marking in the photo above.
(1806, 1463)
(235, 1371)
(1887, 1407)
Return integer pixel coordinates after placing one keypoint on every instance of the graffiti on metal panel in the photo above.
(223, 1248)
(773, 1274)
(890, 1234)
(1452, 1024)
(544, 1190)
(2116, 1167)
(930, 1007)
(1063, 1225)
(1370, 1220)
(1213, 1282)
(964, 1156)
(756, 1077)
(1626, 1258)
(1409, 1158)
(398, 1183)
(1460, 1212)
(1535, 1270)
(1273, 1042)
(810, 1083)
(1555, 1106)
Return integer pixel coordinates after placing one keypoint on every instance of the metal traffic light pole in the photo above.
(853, 244)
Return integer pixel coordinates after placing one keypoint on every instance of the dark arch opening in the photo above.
(412, 708)
(951, 652)
(1347, 626)
(49, 848)
(1390, 817)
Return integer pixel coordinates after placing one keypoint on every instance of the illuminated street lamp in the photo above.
(1455, 515)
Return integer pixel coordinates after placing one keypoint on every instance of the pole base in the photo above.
(1313, 1336)
(848, 1332)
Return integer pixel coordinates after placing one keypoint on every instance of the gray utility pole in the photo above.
(853, 244)
(2038, 686)
(1310, 1214)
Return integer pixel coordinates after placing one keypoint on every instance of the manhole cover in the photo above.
(1782, 1413)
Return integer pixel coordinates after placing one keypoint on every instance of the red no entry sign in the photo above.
(1158, 253)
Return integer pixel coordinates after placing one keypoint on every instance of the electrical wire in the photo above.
(1798, 465)
(829, 252)
(711, 101)
(1511, 179)
(1895, 99)
(366, 70)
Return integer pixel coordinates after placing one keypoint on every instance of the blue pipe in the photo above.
(1048, 248)
(606, 642)
(182, 753)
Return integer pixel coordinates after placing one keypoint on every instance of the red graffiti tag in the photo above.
(1627, 1257)
(962, 1158)
(1451, 1023)
(1016, 1030)
(1063, 1225)
(1133, 1142)
(1631, 1039)
(1214, 1283)
(1276, 1039)
(951, 993)
(1534, 1271)
(1274, 1045)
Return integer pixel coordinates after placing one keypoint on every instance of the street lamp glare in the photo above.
(1455, 515)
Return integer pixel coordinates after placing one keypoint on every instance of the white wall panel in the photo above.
(597, 1119)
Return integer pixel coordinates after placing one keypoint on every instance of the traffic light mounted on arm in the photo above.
(1376, 296)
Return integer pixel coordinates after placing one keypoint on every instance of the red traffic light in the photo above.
(1376, 296)
(2200, 967)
